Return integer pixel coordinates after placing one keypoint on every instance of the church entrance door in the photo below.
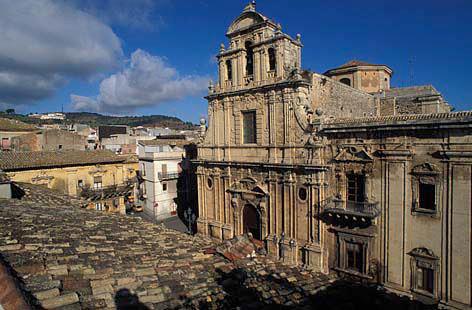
(252, 221)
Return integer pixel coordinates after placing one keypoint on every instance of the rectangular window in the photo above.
(97, 182)
(164, 187)
(5, 143)
(164, 170)
(99, 206)
(427, 196)
(355, 188)
(425, 278)
(355, 257)
(249, 127)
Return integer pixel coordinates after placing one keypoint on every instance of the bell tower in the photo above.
(258, 52)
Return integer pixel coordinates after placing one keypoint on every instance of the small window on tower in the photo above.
(272, 59)
(249, 58)
(345, 81)
(229, 70)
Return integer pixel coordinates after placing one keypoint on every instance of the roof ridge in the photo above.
(405, 117)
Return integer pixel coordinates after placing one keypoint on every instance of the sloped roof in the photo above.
(464, 117)
(12, 161)
(410, 91)
(171, 142)
(354, 63)
(7, 124)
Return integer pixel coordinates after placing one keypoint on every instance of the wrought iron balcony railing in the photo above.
(365, 209)
(167, 176)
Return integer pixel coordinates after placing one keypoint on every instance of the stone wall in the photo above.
(338, 100)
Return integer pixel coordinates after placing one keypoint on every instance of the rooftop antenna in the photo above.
(411, 60)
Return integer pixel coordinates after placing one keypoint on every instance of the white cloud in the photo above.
(129, 13)
(146, 81)
(44, 42)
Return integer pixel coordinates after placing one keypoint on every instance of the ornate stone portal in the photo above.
(248, 192)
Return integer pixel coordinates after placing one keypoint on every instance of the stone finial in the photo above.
(251, 7)
(222, 47)
(211, 87)
(299, 37)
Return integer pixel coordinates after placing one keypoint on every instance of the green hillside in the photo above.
(95, 119)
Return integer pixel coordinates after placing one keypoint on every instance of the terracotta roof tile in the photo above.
(463, 116)
(12, 161)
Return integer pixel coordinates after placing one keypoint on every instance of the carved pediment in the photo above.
(42, 178)
(423, 252)
(248, 18)
(248, 186)
(97, 170)
(353, 154)
(426, 168)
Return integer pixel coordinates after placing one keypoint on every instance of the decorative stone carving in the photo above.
(353, 154)
(423, 252)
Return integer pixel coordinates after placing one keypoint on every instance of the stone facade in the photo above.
(49, 140)
(102, 178)
(329, 175)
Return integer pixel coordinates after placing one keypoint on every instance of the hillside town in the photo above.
(299, 189)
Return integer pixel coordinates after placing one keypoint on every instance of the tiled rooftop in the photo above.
(171, 142)
(410, 91)
(434, 118)
(11, 161)
(66, 256)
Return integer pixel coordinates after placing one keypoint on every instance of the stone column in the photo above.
(272, 128)
(227, 225)
(256, 63)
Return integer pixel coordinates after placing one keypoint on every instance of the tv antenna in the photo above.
(411, 61)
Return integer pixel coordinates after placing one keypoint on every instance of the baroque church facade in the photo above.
(337, 172)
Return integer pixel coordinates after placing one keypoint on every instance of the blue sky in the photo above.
(424, 42)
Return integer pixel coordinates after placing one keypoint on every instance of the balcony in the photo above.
(349, 213)
(167, 176)
(162, 155)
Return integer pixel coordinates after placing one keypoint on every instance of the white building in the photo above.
(159, 165)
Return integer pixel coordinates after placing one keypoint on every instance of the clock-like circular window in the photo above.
(302, 194)
(210, 183)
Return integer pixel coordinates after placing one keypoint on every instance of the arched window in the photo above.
(249, 58)
(345, 81)
(272, 59)
(229, 70)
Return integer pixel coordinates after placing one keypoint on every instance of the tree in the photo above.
(10, 111)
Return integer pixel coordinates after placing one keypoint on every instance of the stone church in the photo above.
(337, 172)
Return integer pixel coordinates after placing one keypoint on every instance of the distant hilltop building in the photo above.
(49, 116)
(338, 172)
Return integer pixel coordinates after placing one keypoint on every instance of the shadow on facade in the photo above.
(187, 192)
